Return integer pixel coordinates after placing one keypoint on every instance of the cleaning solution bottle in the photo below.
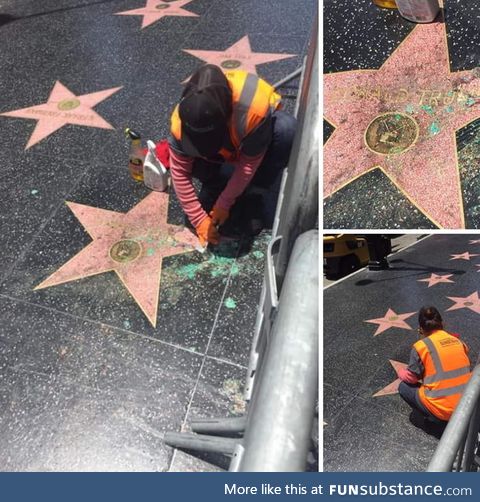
(136, 156)
(386, 4)
(418, 11)
(155, 174)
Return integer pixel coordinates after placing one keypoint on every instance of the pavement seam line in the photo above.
(41, 228)
(205, 355)
(93, 321)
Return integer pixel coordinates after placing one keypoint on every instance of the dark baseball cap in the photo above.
(204, 110)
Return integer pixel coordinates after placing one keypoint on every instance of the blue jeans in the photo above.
(214, 176)
(409, 393)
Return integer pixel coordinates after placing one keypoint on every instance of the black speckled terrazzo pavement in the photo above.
(360, 36)
(366, 433)
(86, 381)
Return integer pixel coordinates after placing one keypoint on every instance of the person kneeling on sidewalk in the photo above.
(228, 132)
(437, 373)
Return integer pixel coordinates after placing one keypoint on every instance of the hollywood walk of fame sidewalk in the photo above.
(370, 325)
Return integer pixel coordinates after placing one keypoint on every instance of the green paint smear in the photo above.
(398, 117)
(449, 109)
(434, 128)
(470, 102)
(216, 265)
(189, 271)
(224, 263)
(230, 303)
(428, 109)
(34, 192)
(409, 108)
(150, 252)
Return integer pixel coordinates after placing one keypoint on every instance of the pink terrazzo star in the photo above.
(416, 90)
(131, 244)
(471, 302)
(156, 9)
(462, 256)
(478, 266)
(239, 56)
(392, 388)
(391, 320)
(436, 279)
(62, 108)
(475, 241)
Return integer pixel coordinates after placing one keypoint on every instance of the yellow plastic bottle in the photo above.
(136, 156)
(386, 4)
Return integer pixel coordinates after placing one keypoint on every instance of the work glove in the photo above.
(219, 215)
(207, 233)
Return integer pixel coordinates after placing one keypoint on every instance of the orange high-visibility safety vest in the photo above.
(447, 371)
(253, 99)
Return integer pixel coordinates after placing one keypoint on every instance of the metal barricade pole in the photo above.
(471, 440)
(279, 422)
(299, 212)
(302, 214)
(454, 436)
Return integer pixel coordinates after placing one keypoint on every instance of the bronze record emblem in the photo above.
(68, 104)
(161, 6)
(230, 64)
(391, 133)
(125, 251)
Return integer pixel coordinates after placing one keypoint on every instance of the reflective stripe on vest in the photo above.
(440, 374)
(240, 112)
(442, 388)
(252, 100)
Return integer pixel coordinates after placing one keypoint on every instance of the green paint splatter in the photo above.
(409, 108)
(398, 117)
(449, 109)
(126, 324)
(230, 303)
(34, 192)
(189, 271)
(258, 254)
(428, 109)
(150, 252)
(434, 128)
(470, 101)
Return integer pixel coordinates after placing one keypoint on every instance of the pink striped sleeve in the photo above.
(181, 171)
(245, 168)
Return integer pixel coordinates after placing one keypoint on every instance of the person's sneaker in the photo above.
(254, 227)
(434, 427)
(417, 419)
(253, 222)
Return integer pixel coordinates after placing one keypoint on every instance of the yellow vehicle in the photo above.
(343, 254)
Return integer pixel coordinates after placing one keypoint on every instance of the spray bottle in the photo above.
(136, 156)
(418, 11)
(155, 174)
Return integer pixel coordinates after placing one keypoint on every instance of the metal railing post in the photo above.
(454, 436)
(299, 211)
(279, 422)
